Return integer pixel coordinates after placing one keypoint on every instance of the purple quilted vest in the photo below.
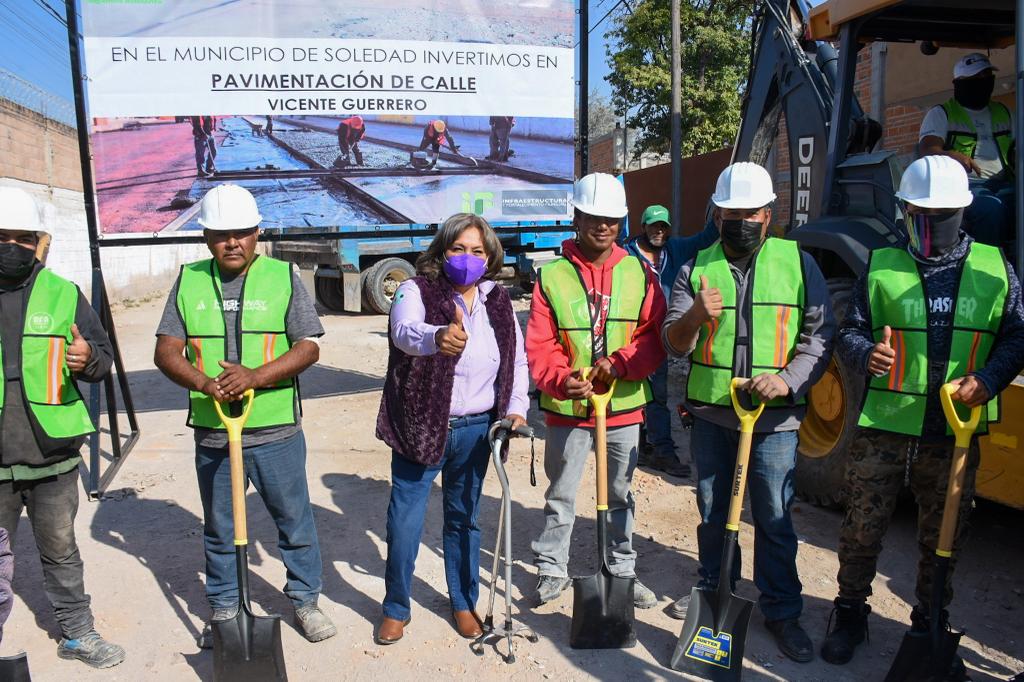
(414, 408)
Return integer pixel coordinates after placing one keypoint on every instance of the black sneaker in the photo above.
(851, 616)
(792, 639)
(92, 650)
(550, 586)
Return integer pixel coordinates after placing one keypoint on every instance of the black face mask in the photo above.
(934, 235)
(741, 236)
(15, 261)
(974, 93)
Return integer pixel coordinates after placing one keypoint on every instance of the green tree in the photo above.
(715, 59)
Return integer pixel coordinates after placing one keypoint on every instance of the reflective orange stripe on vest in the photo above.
(268, 347)
(782, 335)
(197, 346)
(899, 368)
(54, 380)
(713, 326)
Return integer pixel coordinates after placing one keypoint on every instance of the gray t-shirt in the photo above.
(301, 322)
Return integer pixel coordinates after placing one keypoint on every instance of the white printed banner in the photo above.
(333, 113)
(223, 76)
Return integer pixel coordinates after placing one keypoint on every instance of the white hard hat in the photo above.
(600, 194)
(935, 182)
(18, 210)
(971, 65)
(229, 207)
(743, 185)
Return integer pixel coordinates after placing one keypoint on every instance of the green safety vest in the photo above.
(777, 312)
(896, 402)
(51, 395)
(562, 285)
(260, 336)
(962, 136)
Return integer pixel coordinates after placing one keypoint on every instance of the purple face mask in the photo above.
(465, 269)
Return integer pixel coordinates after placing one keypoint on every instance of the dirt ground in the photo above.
(144, 563)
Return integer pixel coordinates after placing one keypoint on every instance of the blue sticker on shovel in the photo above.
(707, 647)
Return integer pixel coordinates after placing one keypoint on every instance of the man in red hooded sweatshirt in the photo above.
(599, 307)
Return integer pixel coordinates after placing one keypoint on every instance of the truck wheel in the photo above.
(382, 281)
(833, 407)
(328, 293)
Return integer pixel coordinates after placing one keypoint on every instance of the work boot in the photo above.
(792, 639)
(92, 650)
(670, 465)
(205, 639)
(643, 596)
(550, 586)
(679, 608)
(851, 629)
(391, 630)
(314, 623)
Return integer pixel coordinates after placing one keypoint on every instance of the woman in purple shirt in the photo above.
(456, 363)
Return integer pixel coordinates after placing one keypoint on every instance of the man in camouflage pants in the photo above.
(943, 309)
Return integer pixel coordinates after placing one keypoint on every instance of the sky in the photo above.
(34, 44)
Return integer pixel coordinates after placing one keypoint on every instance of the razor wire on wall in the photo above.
(25, 94)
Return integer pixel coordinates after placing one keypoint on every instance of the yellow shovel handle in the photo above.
(963, 430)
(747, 417)
(600, 402)
(234, 425)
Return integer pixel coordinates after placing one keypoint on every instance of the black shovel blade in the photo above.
(602, 612)
(917, 659)
(703, 649)
(247, 648)
(15, 668)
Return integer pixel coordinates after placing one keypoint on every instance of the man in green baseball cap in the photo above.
(664, 254)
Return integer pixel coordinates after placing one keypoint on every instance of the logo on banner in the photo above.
(477, 202)
(534, 202)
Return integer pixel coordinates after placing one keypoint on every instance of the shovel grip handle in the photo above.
(951, 510)
(600, 402)
(234, 426)
(746, 417)
(963, 430)
(739, 481)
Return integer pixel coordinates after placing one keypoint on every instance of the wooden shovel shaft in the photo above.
(739, 480)
(951, 512)
(601, 448)
(238, 491)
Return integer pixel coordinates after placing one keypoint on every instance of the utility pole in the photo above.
(677, 127)
(584, 122)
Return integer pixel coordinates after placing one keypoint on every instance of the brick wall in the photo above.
(36, 149)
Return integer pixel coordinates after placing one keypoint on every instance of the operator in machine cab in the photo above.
(978, 133)
(750, 306)
(944, 309)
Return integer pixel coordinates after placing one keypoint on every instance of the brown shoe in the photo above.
(391, 630)
(467, 623)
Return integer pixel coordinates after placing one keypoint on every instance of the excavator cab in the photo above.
(836, 173)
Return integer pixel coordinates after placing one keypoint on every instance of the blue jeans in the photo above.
(657, 415)
(462, 468)
(990, 217)
(770, 482)
(278, 472)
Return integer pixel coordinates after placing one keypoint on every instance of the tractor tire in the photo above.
(831, 422)
(382, 281)
(328, 293)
